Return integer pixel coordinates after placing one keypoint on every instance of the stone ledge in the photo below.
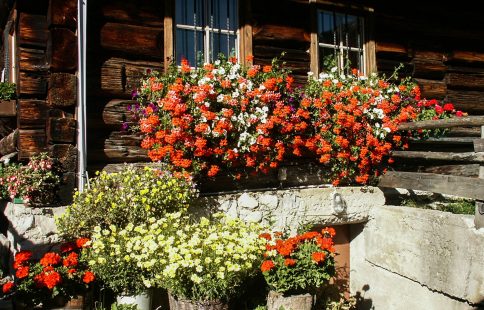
(293, 207)
(439, 250)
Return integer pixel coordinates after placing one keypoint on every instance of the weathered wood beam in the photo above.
(62, 90)
(116, 112)
(61, 130)
(8, 108)
(62, 50)
(120, 76)
(32, 114)
(66, 154)
(428, 69)
(133, 12)
(31, 83)
(62, 13)
(465, 80)
(471, 170)
(479, 145)
(466, 56)
(32, 60)
(277, 32)
(31, 142)
(134, 40)
(391, 48)
(432, 88)
(124, 147)
(8, 144)
(469, 157)
(443, 123)
(467, 100)
(437, 183)
(32, 30)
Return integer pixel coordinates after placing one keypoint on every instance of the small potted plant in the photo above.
(56, 278)
(8, 94)
(294, 267)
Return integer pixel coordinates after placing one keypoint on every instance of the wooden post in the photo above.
(479, 213)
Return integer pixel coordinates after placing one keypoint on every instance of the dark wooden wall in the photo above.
(47, 84)
(442, 47)
(125, 39)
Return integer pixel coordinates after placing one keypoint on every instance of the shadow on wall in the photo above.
(361, 302)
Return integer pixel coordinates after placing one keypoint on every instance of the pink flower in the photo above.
(439, 109)
(459, 114)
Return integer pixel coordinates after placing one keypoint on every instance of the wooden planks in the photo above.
(437, 183)
(32, 114)
(62, 13)
(444, 123)
(8, 108)
(61, 130)
(133, 40)
(469, 157)
(31, 142)
(32, 59)
(115, 113)
(62, 50)
(33, 30)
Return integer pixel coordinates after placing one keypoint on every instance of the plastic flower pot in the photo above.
(276, 301)
(142, 301)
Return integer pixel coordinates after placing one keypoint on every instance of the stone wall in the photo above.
(294, 207)
(406, 258)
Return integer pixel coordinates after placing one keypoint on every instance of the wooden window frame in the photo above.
(368, 45)
(244, 32)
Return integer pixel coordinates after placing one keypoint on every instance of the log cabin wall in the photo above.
(46, 58)
(125, 39)
(440, 46)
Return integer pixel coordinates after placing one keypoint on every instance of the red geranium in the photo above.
(50, 259)
(7, 287)
(88, 277)
(298, 263)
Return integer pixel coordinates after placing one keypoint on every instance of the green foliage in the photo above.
(456, 206)
(117, 306)
(8, 91)
(131, 196)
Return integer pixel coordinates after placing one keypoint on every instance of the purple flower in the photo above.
(134, 94)
(125, 126)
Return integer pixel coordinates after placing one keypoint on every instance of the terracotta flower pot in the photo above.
(276, 301)
(182, 304)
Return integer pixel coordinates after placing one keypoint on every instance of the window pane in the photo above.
(327, 58)
(222, 14)
(353, 31)
(353, 60)
(188, 12)
(186, 47)
(222, 44)
(326, 27)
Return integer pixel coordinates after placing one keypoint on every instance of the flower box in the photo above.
(8, 108)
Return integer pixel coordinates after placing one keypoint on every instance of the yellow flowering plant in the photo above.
(131, 259)
(132, 195)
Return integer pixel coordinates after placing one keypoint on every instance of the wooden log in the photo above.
(32, 30)
(479, 145)
(62, 50)
(472, 81)
(468, 101)
(8, 144)
(466, 57)
(124, 147)
(469, 157)
(464, 132)
(291, 54)
(446, 140)
(437, 183)
(31, 142)
(280, 33)
(444, 123)
(133, 40)
(32, 114)
(432, 89)
(31, 83)
(428, 69)
(392, 50)
(32, 60)
(145, 12)
(66, 154)
(426, 55)
(32, 7)
(119, 77)
(471, 170)
(62, 13)
(62, 90)
(61, 130)
(8, 108)
(116, 112)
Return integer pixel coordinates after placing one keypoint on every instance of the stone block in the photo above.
(438, 250)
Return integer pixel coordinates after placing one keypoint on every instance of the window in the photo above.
(340, 41)
(204, 29)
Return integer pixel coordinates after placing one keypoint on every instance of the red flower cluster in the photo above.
(61, 271)
(217, 117)
(298, 262)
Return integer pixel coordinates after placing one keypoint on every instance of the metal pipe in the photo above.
(81, 104)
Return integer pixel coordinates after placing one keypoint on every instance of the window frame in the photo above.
(368, 46)
(243, 33)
